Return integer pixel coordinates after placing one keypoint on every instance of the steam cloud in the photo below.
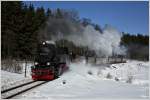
(106, 43)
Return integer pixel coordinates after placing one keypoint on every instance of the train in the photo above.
(50, 61)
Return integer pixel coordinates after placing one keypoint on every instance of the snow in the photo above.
(139, 71)
(80, 84)
(20, 89)
(9, 79)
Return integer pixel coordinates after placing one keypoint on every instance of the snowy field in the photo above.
(9, 79)
(88, 82)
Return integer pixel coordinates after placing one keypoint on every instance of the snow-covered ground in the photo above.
(135, 71)
(86, 81)
(9, 79)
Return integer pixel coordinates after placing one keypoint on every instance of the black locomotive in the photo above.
(50, 61)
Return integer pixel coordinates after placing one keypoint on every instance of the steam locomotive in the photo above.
(50, 61)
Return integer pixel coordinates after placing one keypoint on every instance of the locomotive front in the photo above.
(45, 62)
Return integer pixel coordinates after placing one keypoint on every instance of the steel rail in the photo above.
(22, 91)
(6, 90)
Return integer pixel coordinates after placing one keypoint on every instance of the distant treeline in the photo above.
(21, 23)
(135, 39)
(137, 46)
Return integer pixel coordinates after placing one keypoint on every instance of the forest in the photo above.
(22, 26)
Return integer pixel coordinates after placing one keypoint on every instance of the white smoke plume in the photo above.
(105, 44)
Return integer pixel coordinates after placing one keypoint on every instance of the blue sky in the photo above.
(127, 16)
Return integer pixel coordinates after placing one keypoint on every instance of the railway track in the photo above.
(14, 91)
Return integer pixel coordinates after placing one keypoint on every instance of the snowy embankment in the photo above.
(86, 81)
(134, 72)
(9, 79)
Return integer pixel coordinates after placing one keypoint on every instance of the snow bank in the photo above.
(136, 70)
(9, 78)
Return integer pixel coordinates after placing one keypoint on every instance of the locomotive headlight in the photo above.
(43, 43)
(48, 63)
(36, 63)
